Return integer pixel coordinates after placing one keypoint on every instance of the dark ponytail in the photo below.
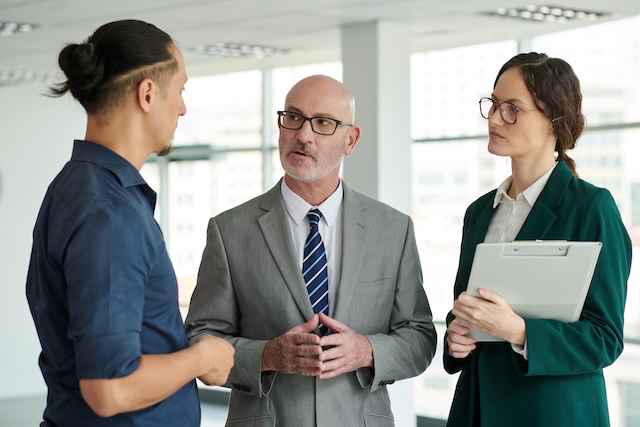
(84, 70)
(118, 55)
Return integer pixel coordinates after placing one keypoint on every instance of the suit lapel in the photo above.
(478, 230)
(275, 228)
(354, 242)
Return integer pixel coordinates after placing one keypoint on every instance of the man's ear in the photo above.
(146, 92)
(353, 137)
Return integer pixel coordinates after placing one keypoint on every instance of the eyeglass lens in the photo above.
(320, 125)
(507, 110)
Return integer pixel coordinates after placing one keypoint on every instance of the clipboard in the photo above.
(538, 279)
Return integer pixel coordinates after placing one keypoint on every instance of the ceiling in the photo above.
(307, 31)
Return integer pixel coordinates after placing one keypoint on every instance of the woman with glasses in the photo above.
(545, 372)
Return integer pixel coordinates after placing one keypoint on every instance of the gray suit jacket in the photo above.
(250, 290)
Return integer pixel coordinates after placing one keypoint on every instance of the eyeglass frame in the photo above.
(283, 113)
(499, 108)
(517, 109)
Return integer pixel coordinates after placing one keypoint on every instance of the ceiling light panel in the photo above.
(17, 77)
(545, 14)
(10, 28)
(236, 50)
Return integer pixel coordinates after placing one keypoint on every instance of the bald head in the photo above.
(328, 96)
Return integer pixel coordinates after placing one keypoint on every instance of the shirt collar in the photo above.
(298, 208)
(88, 151)
(531, 194)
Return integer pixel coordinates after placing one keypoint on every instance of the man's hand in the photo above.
(490, 314)
(460, 346)
(218, 356)
(346, 350)
(295, 351)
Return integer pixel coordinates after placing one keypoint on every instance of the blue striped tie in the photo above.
(314, 268)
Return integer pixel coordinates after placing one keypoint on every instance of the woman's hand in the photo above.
(490, 314)
(460, 346)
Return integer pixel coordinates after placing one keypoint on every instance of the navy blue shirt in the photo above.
(102, 290)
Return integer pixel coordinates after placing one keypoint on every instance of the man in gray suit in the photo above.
(324, 308)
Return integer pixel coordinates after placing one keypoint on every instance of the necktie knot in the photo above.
(314, 216)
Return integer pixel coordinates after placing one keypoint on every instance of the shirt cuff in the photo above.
(521, 350)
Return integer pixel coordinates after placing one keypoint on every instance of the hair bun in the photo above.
(93, 69)
(83, 68)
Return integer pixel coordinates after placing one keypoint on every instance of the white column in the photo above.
(375, 60)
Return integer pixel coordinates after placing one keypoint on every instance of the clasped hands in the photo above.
(300, 351)
(488, 313)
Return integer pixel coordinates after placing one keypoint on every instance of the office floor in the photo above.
(27, 412)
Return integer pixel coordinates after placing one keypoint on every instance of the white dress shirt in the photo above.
(330, 227)
(509, 217)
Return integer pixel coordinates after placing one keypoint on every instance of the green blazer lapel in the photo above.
(478, 229)
(477, 221)
(542, 217)
(275, 229)
(354, 242)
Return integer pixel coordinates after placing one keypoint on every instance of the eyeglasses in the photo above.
(508, 111)
(320, 125)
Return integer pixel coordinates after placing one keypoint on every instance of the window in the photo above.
(223, 111)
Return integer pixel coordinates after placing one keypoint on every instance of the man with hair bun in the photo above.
(101, 288)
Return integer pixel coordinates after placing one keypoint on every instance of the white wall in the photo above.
(36, 137)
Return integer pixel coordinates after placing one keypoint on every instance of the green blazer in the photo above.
(562, 382)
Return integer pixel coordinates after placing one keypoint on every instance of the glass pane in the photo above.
(284, 78)
(630, 393)
(447, 177)
(609, 159)
(433, 390)
(446, 86)
(199, 190)
(607, 65)
(223, 110)
(623, 388)
(277, 171)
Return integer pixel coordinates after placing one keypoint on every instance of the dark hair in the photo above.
(118, 56)
(555, 90)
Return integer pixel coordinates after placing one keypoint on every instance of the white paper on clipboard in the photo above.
(538, 279)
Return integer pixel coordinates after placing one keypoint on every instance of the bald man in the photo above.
(318, 287)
